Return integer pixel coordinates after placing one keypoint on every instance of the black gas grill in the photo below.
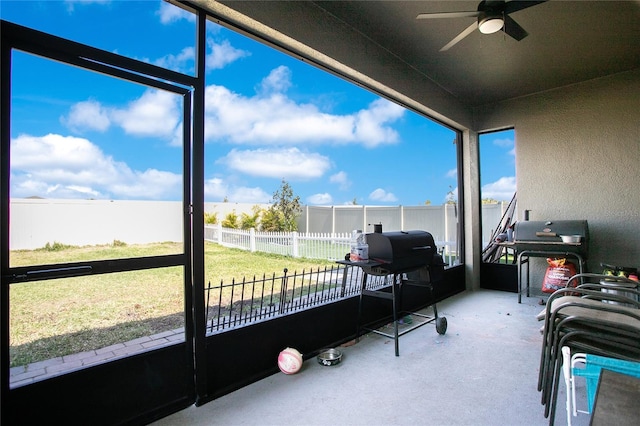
(399, 252)
(410, 258)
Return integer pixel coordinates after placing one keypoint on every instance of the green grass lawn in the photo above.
(59, 317)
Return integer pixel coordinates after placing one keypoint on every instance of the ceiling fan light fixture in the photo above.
(490, 24)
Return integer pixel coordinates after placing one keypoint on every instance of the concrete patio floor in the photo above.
(483, 371)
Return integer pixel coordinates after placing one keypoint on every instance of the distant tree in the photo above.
(427, 203)
(288, 207)
(248, 221)
(230, 220)
(226, 199)
(354, 201)
(451, 199)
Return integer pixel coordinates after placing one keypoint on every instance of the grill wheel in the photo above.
(441, 325)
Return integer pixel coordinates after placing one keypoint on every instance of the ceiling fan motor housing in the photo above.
(489, 24)
(490, 16)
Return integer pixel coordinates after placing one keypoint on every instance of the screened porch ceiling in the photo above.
(568, 42)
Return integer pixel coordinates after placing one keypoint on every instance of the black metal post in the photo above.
(283, 292)
(197, 214)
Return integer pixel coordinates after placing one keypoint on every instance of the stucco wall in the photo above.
(578, 157)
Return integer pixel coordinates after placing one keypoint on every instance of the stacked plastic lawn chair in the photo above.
(589, 367)
(592, 318)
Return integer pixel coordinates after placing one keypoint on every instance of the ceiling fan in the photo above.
(492, 16)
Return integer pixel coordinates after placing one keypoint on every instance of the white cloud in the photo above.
(69, 167)
(382, 195)
(182, 62)
(320, 199)
(177, 138)
(289, 163)
(169, 13)
(341, 179)
(90, 192)
(273, 119)
(87, 115)
(222, 54)
(155, 113)
(501, 190)
(278, 81)
(245, 194)
(71, 3)
(23, 185)
(216, 189)
(150, 184)
(270, 117)
(504, 143)
(58, 153)
(453, 173)
(370, 123)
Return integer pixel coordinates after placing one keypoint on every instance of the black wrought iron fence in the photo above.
(248, 301)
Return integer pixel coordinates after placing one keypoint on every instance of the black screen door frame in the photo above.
(191, 89)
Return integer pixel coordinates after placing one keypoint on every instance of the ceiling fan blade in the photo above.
(513, 29)
(516, 5)
(473, 14)
(471, 28)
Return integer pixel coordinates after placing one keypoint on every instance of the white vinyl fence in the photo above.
(36, 222)
(308, 245)
(440, 221)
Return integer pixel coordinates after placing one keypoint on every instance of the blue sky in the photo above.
(78, 134)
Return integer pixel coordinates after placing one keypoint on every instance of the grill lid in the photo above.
(546, 235)
(401, 251)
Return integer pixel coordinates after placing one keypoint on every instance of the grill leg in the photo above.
(435, 309)
(395, 312)
(364, 284)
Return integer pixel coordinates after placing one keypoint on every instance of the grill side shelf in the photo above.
(368, 263)
(538, 243)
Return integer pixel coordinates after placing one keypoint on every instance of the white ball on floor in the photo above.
(289, 361)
